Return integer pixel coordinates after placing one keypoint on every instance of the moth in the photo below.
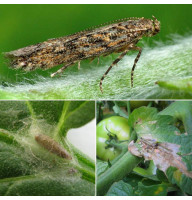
(120, 36)
(52, 146)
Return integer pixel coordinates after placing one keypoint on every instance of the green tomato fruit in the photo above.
(115, 125)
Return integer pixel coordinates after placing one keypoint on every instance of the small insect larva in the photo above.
(52, 146)
(118, 37)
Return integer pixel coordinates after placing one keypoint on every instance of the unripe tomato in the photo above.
(115, 125)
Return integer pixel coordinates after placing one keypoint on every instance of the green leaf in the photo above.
(29, 168)
(12, 161)
(120, 188)
(9, 139)
(66, 114)
(181, 110)
(59, 183)
(176, 177)
(13, 115)
(134, 185)
(133, 180)
(51, 112)
(76, 114)
(161, 176)
(152, 190)
(101, 167)
(147, 123)
(119, 111)
(165, 62)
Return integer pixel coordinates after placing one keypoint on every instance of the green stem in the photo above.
(141, 171)
(83, 159)
(85, 165)
(133, 136)
(115, 173)
(30, 107)
(59, 129)
(123, 151)
(86, 174)
(128, 108)
(122, 147)
(151, 170)
(150, 104)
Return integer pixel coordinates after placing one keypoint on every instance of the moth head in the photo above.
(156, 26)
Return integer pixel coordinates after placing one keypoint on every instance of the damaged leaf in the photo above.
(163, 154)
(159, 140)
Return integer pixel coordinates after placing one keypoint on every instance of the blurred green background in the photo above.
(23, 25)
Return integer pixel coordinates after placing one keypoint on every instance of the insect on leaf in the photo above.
(119, 37)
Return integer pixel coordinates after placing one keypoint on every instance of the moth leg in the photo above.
(135, 62)
(114, 63)
(62, 69)
(79, 65)
(91, 60)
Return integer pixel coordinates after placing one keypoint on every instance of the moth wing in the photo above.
(26, 51)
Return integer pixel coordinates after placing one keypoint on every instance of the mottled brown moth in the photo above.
(52, 146)
(118, 37)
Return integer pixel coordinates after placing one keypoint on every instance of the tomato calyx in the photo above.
(112, 136)
(113, 141)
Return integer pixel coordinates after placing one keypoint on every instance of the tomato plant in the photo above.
(113, 127)
(157, 157)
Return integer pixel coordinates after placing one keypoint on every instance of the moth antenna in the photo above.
(108, 23)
